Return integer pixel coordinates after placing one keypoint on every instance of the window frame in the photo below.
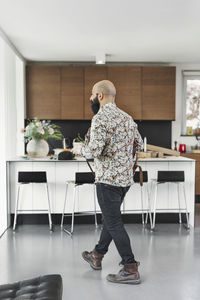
(187, 75)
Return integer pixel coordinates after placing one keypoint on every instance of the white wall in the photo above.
(3, 202)
(11, 118)
(20, 104)
(176, 125)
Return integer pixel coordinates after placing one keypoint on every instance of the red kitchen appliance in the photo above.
(182, 148)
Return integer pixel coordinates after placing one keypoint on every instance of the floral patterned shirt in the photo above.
(113, 141)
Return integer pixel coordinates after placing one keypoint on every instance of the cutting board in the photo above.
(163, 150)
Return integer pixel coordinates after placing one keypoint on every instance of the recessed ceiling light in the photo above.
(100, 59)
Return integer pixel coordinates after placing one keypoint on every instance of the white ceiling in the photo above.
(127, 30)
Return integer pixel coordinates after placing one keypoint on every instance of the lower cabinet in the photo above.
(33, 196)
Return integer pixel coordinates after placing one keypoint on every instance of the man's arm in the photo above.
(138, 142)
(95, 143)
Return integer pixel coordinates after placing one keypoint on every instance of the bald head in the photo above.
(105, 87)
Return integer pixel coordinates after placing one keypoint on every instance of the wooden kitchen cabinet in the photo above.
(63, 92)
(158, 93)
(92, 74)
(72, 87)
(127, 80)
(43, 92)
(195, 156)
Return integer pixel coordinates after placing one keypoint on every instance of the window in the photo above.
(191, 108)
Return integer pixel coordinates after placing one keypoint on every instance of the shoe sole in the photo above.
(90, 263)
(126, 282)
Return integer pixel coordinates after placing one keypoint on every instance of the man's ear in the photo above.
(100, 96)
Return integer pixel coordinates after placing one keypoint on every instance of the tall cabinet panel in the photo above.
(72, 87)
(92, 75)
(43, 92)
(127, 81)
(158, 89)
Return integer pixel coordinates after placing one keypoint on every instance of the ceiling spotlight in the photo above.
(100, 59)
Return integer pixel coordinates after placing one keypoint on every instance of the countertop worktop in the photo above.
(82, 159)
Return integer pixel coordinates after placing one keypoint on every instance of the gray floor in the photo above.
(170, 261)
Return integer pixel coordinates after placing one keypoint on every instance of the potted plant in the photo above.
(36, 133)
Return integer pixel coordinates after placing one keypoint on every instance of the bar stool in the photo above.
(136, 179)
(178, 178)
(27, 178)
(80, 179)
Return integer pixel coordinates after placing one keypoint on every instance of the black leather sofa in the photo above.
(48, 287)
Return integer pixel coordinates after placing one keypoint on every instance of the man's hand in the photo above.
(75, 151)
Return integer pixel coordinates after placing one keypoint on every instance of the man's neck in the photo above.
(102, 103)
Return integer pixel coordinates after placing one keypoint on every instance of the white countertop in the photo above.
(82, 159)
(46, 159)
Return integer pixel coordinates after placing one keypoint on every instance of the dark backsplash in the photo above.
(157, 132)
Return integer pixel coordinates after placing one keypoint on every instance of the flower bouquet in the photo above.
(36, 133)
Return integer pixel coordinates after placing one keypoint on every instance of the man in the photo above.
(112, 141)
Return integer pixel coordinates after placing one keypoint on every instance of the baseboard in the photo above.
(89, 219)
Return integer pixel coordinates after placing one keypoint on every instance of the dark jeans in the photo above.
(110, 199)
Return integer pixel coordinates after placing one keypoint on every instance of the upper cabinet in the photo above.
(72, 87)
(63, 92)
(158, 93)
(43, 92)
(127, 81)
(92, 75)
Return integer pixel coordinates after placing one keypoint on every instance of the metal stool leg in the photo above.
(147, 213)
(154, 207)
(148, 210)
(73, 210)
(142, 206)
(49, 210)
(72, 225)
(16, 207)
(186, 209)
(63, 214)
(95, 210)
(149, 205)
(179, 205)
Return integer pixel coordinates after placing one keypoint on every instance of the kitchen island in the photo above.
(58, 172)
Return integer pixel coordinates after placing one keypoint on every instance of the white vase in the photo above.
(37, 148)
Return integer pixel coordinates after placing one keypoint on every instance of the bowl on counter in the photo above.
(66, 155)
